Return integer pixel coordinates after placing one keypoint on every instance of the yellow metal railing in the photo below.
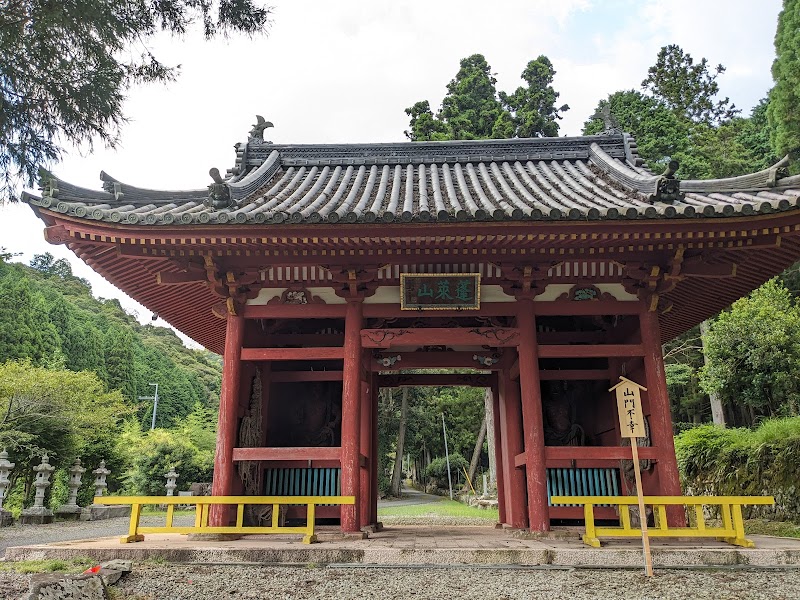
(202, 503)
(730, 508)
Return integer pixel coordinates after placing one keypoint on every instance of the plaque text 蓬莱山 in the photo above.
(440, 291)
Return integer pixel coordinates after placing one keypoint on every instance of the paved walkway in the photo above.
(409, 497)
(423, 545)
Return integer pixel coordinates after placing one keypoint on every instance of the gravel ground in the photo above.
(193, 582)
(63, 531)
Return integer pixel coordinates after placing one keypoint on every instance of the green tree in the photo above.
(681, 118)
(534, 107)
(472, 109)
(784, 104)
(660, 133)
(155, 452)
(63, 413)
(754, 354)
(20, 336)
(65, 68)
(119, 354)
(688, 89)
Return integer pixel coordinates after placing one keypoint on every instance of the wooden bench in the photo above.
(730, 508)
(202, 504)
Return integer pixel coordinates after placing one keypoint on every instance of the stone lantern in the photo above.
(5, 470)
(38, 513)
(71, 510)
(100, 474)
(172, 481)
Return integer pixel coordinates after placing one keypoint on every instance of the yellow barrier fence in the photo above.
(202, 503)
(730, 508)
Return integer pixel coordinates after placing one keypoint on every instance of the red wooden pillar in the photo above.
(365, 443)
(511, 436)
(374, 458)
(498, 452)
(228, 417)
(351, 421)
(660, 416)
(530, 389)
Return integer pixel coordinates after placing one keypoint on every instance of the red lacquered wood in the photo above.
(226, 423)
(511, 435)
(660, 416)
(530, 390)
(351, 404)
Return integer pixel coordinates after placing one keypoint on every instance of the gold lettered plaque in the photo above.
(440, 291)
(629, 408)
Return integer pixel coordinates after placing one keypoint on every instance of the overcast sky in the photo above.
(345, 71)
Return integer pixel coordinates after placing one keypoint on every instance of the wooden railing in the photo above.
(730, 508)
(202, 503)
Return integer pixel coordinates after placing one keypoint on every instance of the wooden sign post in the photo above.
(631, 425)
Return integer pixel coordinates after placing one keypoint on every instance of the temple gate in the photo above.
(549, 267)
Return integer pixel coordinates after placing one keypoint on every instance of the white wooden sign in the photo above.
(631, 425)
(629, 408)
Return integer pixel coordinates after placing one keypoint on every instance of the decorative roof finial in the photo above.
(667, 188)
(257, 132)
(219, 194)
(610, 124)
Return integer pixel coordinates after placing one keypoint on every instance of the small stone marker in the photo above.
(631, 425)
(58, 586)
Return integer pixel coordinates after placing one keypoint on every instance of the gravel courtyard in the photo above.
(192, 582)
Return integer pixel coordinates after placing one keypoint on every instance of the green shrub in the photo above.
(713, 460)
(438, 467)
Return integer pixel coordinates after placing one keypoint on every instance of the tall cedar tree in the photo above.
(784, 104)
(65, 68)
(472, 108)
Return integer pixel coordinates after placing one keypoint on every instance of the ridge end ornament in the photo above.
(219, 193)
(257, 132)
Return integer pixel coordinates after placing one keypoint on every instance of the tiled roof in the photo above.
(588, 178)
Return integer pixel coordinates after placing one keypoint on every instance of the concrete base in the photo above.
(36, 515)
(213, 537)
(69, 512)
(99, 512)
(6, 518)
(419, 545)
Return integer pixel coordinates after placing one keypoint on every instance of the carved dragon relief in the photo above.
(496, 335)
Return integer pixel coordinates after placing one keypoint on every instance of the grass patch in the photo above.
(776, 528)
(443, 508)
(72, 565)
(155, 511)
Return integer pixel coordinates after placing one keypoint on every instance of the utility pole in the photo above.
(154, 398)
(447, 458)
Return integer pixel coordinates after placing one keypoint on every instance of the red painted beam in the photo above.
(587, 351)
(281, 454)
(487, 309)
(294, 376)
(432, 360)
(294, 311)
(435, 379)
(574, 374)
(597, 452)
(498, 337)
(587, 308)
(256, 354)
